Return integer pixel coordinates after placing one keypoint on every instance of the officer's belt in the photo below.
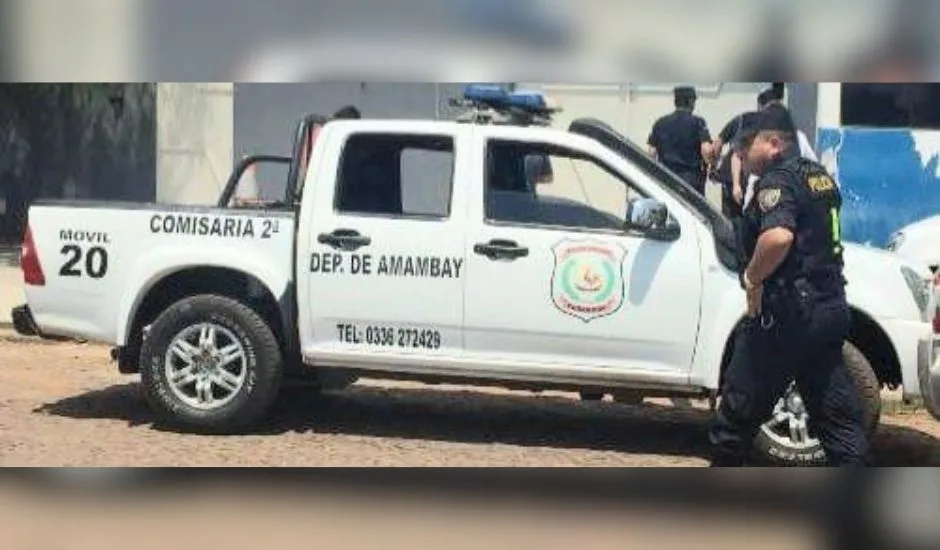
(820, 284)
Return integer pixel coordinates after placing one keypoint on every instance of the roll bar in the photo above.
(300, 153)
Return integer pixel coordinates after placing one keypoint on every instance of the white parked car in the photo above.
(419, 249)
(919, 242)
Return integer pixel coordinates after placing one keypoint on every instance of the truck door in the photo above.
(380, 248)
(553, 279)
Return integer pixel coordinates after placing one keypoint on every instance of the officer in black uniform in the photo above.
(797, 314)
(680, 140)
(723, 170)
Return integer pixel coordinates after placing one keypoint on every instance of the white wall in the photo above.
(829, 108)
(195, 133)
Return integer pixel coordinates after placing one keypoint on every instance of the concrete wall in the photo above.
(194, 141)
(802, 99)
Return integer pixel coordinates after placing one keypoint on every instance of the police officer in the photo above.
(728, 171)
(680, 140)
(772, 98)
(737, 186)
(797, 314)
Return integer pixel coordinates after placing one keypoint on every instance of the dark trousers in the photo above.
(803, 344)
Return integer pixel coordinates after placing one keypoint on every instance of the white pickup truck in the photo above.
(424, 250)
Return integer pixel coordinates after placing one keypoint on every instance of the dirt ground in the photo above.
(65, 404)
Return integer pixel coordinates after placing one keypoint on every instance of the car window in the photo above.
(536, 184)
(396, 175)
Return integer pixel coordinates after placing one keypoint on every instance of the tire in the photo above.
(259, 368)
(774, 451)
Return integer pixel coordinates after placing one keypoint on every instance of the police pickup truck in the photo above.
(443, 251)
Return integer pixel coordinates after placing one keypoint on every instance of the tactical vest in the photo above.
(816, 253)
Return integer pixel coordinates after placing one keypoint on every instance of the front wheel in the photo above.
(211, 364)
(786, 440)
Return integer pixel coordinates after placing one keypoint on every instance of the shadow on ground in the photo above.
(475, 417)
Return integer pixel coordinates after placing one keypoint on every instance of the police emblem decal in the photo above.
(768, 199)
(587, 281)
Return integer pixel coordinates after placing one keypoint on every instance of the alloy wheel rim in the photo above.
(206, 366)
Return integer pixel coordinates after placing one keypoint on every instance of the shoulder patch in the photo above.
(768, 199)
(820, 183)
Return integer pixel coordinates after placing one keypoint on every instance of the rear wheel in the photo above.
(210, 363)
(786, 439)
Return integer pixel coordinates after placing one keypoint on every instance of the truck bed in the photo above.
(99, 259)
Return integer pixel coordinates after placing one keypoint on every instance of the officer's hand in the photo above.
(738, 194)
(754, 295)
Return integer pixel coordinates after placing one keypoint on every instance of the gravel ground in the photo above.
(65, 404)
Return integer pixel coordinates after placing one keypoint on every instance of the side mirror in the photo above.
(650, 218)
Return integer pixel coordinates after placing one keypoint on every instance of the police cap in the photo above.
(773, 93)
(348, 112)
(774, 119)
(766, 97)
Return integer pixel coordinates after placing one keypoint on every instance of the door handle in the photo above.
(347, 240)
(501, 249)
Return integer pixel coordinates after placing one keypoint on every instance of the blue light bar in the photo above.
(487, 94)
(497, 97)
(526, 99)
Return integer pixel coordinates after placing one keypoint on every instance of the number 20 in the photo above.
(96, 261)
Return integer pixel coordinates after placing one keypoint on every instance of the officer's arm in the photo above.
(705, 141)
(653, 141)
(778, 223)
(726, 134)
(737, 174)
(707, 152)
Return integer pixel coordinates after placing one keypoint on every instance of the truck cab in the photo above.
(487, 278)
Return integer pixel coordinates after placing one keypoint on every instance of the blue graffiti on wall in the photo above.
(885, 182)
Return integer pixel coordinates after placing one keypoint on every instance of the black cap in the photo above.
(348, 112)
(773, 93)
(773, 119)
(765, 97)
